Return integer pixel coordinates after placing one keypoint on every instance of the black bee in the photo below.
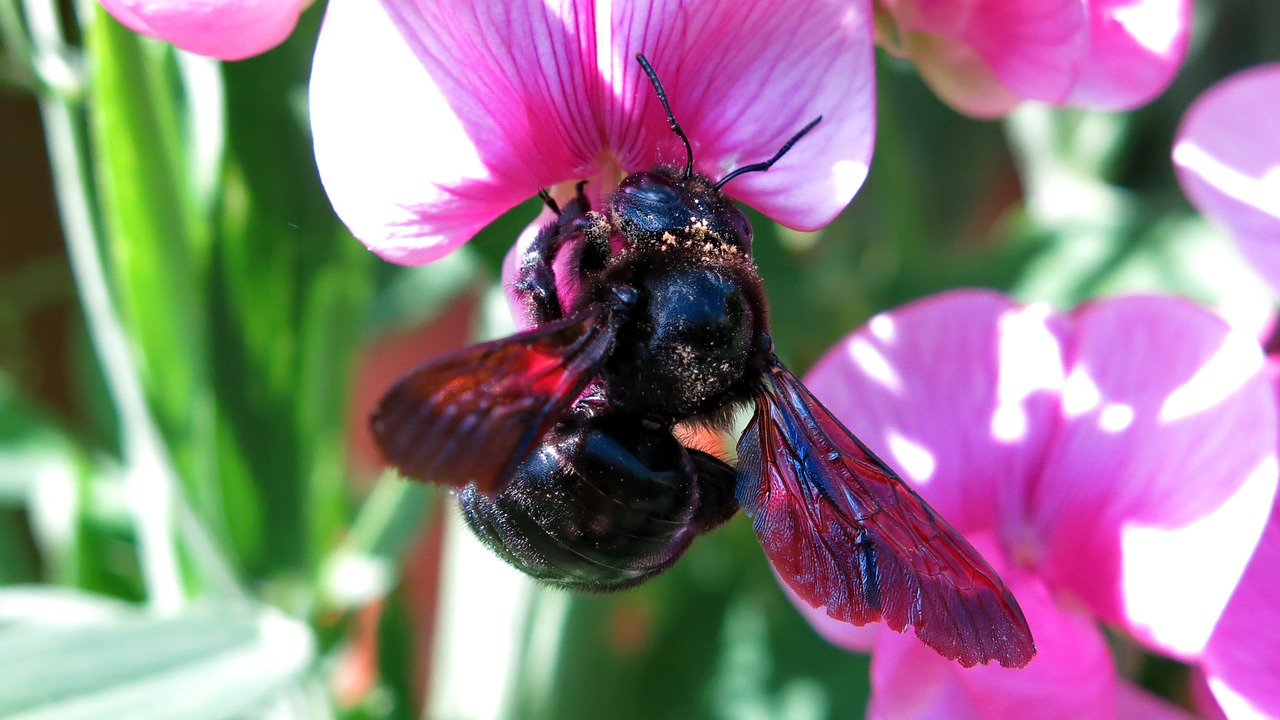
(559, 439)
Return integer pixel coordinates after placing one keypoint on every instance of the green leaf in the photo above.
(113, 663)
(287, 297)
(156, 239)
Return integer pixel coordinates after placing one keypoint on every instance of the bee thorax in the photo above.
(688, 347)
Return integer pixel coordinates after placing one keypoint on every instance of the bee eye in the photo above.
(739, 223)
(651, 187)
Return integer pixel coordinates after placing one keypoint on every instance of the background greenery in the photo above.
(189, 522)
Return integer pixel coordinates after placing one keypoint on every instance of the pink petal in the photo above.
(427, 128)
(1242, 661)
(224, 29)
(960, 76)
(1160, 475)
(1070, 677)
(420, 146)
(958, 393)
(910, 681)
(743, 78)
(1152, 453)
(1034, 47)
(1227, 156)
(1135, 48)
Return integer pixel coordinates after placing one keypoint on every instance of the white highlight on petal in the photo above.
(612, 61)
(1080, 393)
(1261, 193)
(1115, 417)
(386, 140)
(911, 457)
(848, 175)
(1232, 365)
(1030, 360)
(1009, 423)
(1233, 704)
(871, 361)
(883, 328)
(1154, 24)
(1177, 581)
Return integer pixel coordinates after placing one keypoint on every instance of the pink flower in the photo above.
(1116, 465)
(986, 56)
(224, 29)
(432, 119)
(1227, 155)
(1242, 661)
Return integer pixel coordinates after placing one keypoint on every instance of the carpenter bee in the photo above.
(647, 313)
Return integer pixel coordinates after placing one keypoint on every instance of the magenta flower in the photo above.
(432, 119)
(1115, 464)
(223, 29)
(986, 56)
(1227, 154)
(1242, 661)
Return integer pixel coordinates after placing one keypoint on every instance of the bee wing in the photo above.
(844, 532)
(474, 415)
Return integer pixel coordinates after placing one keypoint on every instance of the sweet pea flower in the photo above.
(222, 29)
(432, 119)
(1116, 465)
(984, 57)
(1227, 155)
(1242, 661)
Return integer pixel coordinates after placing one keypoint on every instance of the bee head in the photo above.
(664, 207)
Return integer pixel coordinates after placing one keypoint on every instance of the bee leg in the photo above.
(536, 283)
(549, 201)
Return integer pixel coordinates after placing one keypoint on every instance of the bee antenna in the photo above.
(762, 166)
(675, 126)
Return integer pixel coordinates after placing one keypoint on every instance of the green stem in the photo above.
(152, 488)
(150, 494)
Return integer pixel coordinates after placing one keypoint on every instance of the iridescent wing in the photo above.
(845, 533)
(474, 415)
